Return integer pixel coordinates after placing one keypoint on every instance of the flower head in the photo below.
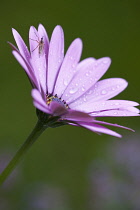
(67, 90)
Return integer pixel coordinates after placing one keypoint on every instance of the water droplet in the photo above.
(118, 86)
(65, 82)
(71, 57)
(84, 99)
(76, 84)
(83, 89)
(73, 90)
(59, 61)
(103, 92)
(115, 113)
(117, 103)
(113, 88)
(87, 74)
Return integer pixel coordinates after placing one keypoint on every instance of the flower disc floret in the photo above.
(55, 98)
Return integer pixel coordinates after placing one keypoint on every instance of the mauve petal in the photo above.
(76, 84)
(27, 68)
(133, 109)
(42, 33)
(41, 108)
(104, 105)
(55, 57)
(73, 115)
(34, 41)
(86, 76)
(57, 109)
(13, 47)
(114, 125)
(101, 91)
(26, 65)
(21, 45)
(39, 100)
(84, 63)
(114, 113)
(68, 67)
(38, 60)
(100, 129)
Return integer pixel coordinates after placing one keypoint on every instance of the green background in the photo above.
(61, 158)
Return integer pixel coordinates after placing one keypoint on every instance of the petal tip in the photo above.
(58, 28)
(78, 42)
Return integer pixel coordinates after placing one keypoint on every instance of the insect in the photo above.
(40, 45)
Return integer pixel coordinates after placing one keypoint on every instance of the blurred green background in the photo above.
(61, 158)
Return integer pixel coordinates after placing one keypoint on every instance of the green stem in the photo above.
(37, 131)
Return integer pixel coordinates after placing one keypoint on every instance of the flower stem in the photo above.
(37, 131)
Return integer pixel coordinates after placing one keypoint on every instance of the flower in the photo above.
(66, 89)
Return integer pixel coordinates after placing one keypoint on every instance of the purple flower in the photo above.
(67, 88)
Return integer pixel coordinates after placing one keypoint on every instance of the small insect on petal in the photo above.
(40, 45)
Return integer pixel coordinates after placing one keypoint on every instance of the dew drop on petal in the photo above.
(65, 82)
(71, 58)
(73, 90)
(84, 99)
(83, 89)
(103, 92)
(59, 61)
(87, 74)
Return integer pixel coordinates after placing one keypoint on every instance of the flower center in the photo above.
(51, 98)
